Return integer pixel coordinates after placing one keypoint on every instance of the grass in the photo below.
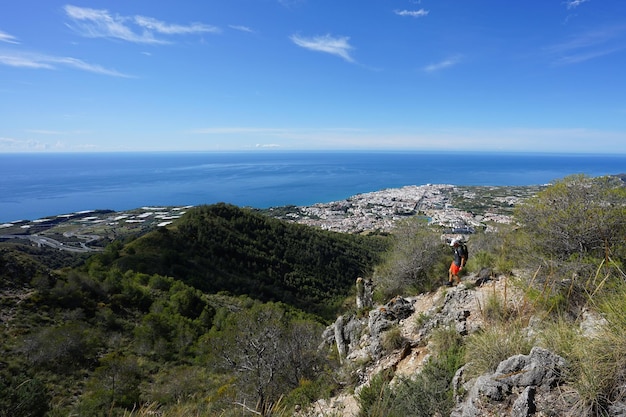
(596, 371)
(392, 339)
(487, 348)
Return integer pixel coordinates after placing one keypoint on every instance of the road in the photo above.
(55, 244)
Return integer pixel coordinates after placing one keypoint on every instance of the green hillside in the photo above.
(226, 248)
(128, 325)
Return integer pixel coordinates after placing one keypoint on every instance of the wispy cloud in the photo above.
(338, 46)
(572, 4)
(412, 13)
(39, 61)
(5, 37)
(446, 63)
(588, 46)
(241, 28)
(100, 23)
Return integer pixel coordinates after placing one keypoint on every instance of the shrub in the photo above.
(376, 398)
(410, 264)
(22, 396)
(307, 392)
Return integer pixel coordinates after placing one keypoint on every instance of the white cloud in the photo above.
(172, 29)
(336, 46)
(100, 23)
(447, 63)
(412, 13)
(5, 37)
(572, 4)
(39, 61)
(23, 61)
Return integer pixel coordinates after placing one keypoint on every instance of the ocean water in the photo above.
(33, 186)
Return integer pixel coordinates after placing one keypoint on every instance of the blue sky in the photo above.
(492, 75)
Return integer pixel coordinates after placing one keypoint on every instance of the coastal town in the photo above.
(458, 209)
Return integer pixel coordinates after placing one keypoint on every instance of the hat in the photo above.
(454, 242)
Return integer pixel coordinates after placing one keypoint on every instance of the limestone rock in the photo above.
(539, 371)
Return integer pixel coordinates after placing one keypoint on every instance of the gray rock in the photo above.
(592, 324)
(524, 405)
(539, 368)
(379, 320)
(340, 340)
(483, 276)
(383, 318)
(364, 293)
(345, 333)
(400, 308)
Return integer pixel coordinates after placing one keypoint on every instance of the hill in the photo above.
(224, 248)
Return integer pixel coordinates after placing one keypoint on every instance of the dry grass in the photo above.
(486, 349)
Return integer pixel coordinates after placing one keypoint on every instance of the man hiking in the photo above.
(460, 258)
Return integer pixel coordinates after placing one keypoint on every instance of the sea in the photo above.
(40, 185)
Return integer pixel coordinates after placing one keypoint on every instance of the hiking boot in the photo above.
(449, 283)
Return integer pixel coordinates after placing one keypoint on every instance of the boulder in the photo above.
(515, 381)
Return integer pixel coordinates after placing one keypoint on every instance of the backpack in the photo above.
(464, 250)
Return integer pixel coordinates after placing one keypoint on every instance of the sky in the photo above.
(449, 75)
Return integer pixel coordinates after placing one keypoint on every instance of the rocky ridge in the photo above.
(521, 386)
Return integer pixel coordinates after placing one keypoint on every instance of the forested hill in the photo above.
(227, 248)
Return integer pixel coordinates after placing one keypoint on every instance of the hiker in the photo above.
(460, 257)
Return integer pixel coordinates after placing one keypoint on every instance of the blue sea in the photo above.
(39, 185)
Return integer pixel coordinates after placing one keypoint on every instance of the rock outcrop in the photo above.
(520, 385)
(529, 385)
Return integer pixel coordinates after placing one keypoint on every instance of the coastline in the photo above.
(459, 209)
(66, 183)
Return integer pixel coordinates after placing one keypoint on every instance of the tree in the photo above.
(573, 235)
(268, 352)
(115, 383)
(415, 252)
(576, 216)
